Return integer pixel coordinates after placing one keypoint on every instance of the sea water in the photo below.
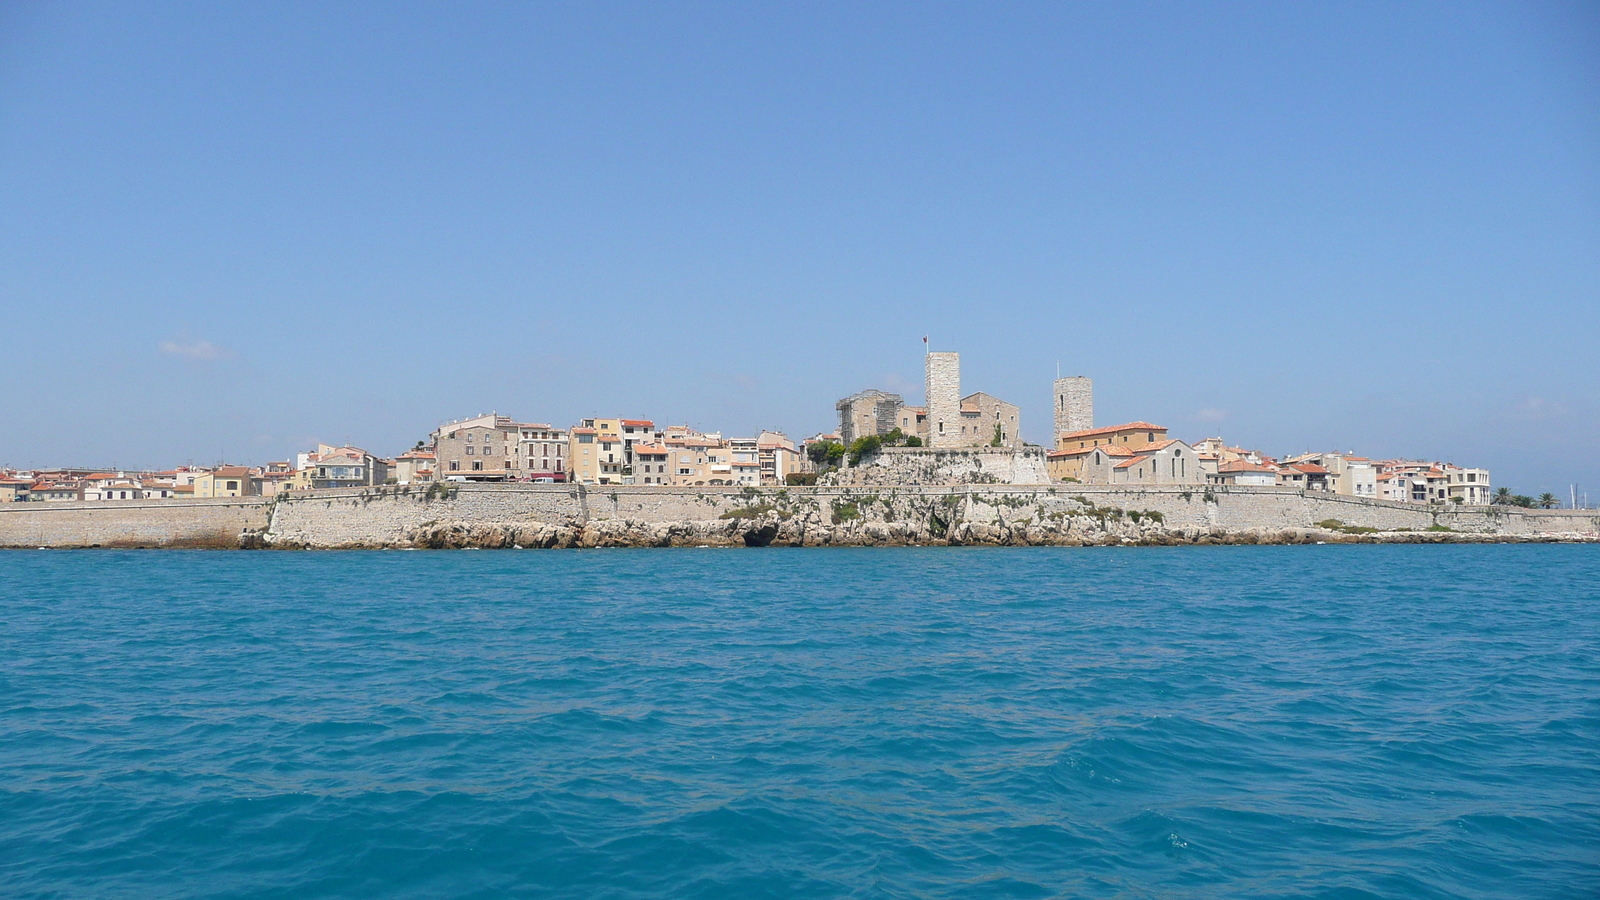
(1334, 721)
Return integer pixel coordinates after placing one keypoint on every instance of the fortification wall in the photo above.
(917, 466)
(517, 515)
(153, 523)
(563, 516)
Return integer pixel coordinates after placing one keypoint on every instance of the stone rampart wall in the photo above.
(493, 515)
(922, 466)
(559, 515)
(152, 523)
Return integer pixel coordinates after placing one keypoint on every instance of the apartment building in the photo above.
(542, 452)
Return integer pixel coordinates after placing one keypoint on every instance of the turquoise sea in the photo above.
(1323, 721)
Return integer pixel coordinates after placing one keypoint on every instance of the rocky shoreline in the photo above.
(776, 533)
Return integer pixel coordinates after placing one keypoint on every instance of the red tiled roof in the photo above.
(1243, 465)
(1112, 429)
(1130, 462)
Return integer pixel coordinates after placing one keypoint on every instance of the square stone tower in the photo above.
(1074, 405)
(944, 400)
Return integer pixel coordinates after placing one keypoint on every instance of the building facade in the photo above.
(988, 421)
(869, 412)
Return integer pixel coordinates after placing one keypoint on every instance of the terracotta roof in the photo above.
(1130, 462)
(581, 430)
(1243, 465)
(644, 422)
(1112, 429)
(1158, 445)
(1310, 468)
(231, 472)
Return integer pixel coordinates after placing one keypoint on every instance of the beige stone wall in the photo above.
(913, 467)
(554, 515)
(1074, 408)
(218, 523)
(495, 515)
(944, 399)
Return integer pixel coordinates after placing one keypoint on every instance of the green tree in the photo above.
(862, 446)
(913, 441)
(825, 453)
(1548, 501)
(998, 434)
(1503, 496)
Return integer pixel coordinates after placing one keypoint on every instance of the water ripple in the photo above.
(1256, 721)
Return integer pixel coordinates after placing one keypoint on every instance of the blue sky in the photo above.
(238, 229)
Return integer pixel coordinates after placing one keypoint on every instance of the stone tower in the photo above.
(944, 399)
(1074, 404)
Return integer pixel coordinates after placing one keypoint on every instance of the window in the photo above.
(470, 451)
(488, 451)
(454, 466)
